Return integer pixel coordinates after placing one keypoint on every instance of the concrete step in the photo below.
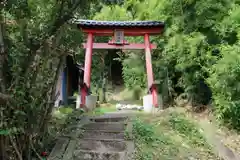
(122, 113)
(109, 119)
(102, 135)
(117, 126)
(101, 145)
(95, 155)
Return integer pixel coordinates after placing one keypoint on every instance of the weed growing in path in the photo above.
(169, 136)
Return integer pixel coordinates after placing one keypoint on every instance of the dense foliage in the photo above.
(34, 39)
(197, 55)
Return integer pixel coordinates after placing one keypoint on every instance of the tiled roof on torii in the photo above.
(118, 24)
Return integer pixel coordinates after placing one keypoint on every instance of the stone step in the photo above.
(101, 145)
(109, 119)
(122, 113)
(95, 155)
(102, 135)
(118, 126)
(105, 131)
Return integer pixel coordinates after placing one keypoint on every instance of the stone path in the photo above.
(96, 138)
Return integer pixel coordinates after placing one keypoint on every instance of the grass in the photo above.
(102, 109)
(60, 114)
(63, 112)
(66, 110)
(170, 135)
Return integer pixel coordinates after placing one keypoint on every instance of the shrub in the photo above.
(137, 93)
(224, 82)
(134, 73)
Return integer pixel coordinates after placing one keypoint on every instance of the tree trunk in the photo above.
(104, 90)
(2, 55)
(2, 85)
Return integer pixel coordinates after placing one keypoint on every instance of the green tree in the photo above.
(200, 37)
(224, 75)
(35, 37)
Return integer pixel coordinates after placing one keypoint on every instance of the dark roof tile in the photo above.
(92, 23)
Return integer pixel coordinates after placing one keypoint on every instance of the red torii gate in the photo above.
(117, 30)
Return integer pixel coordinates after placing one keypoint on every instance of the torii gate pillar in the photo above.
(118, 30)
(152, 88)
(87, 69)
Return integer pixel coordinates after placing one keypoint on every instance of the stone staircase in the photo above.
(98, 138)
